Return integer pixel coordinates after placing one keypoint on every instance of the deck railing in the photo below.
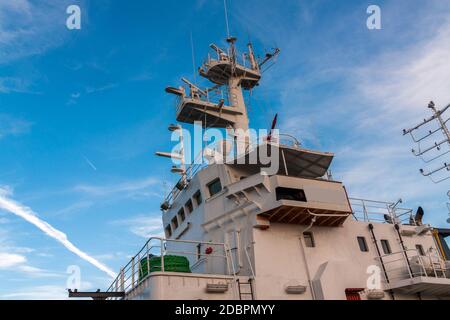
(204, 258)
(380, 212)
(409, 264)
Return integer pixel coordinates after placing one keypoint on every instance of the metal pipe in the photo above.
(308, 274)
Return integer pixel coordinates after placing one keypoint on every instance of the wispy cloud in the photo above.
(47, 292)
(12, 126)
(28, 215)
(91, 90)
(30, 28)
(145, 226)
(132, 188)
(75, 207)
(8, 260)
(50, 292)
(19, 263)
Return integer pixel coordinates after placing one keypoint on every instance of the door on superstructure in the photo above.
(353, 294)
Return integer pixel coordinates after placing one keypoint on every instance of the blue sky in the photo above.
(83, 111)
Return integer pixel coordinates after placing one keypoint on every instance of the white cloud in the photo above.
(403, 82)
(30, 28)
(19, 263)
(8, 260)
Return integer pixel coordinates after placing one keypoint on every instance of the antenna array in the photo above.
(440, 147)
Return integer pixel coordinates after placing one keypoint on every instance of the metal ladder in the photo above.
(242, 293)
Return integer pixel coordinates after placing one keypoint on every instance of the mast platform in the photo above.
(220, 72)
(190, 110)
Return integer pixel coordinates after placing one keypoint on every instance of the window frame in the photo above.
(214, 182)
(181, 215)
(168, 230)
(309, 236)
(196, 197)
(174, 223)
(189, 206)
(386, 246)
(362, 242)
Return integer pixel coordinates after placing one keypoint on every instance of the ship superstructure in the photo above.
(235, 232)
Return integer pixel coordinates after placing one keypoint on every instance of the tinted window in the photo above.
(291, 194)
(168, 232)
(181, 215)
(214, 187)
(174, 223)
(198, 198)
(363, 244)
(189, 206)
(386, 247)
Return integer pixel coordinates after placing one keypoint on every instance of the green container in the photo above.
(171, 264)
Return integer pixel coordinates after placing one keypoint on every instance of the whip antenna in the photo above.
(226, 18)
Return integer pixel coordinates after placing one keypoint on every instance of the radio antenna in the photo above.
(226, 18)
(194, 67)
(441, 119)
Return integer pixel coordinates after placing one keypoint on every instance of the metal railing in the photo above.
(382, 212)
(212, 96)
(409, 264)
(202, 258)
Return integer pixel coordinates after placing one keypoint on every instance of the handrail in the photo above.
(376, 211)
(132, 275)
(423, 266)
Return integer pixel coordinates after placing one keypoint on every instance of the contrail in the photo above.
(89, 162)
(31, 217)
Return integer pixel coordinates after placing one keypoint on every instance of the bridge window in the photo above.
(198, 198)
(290, 194)
(189, 207)
(174, 223)
(214, 187)
(168, 231)
(309, 240)
(181, 215)
(363, 244)
(420, 250)
(386, 247)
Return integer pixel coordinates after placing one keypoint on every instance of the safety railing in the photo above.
(162, 255)
(381, 212)
(213, 96)
(240, 59)
(409, 264)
